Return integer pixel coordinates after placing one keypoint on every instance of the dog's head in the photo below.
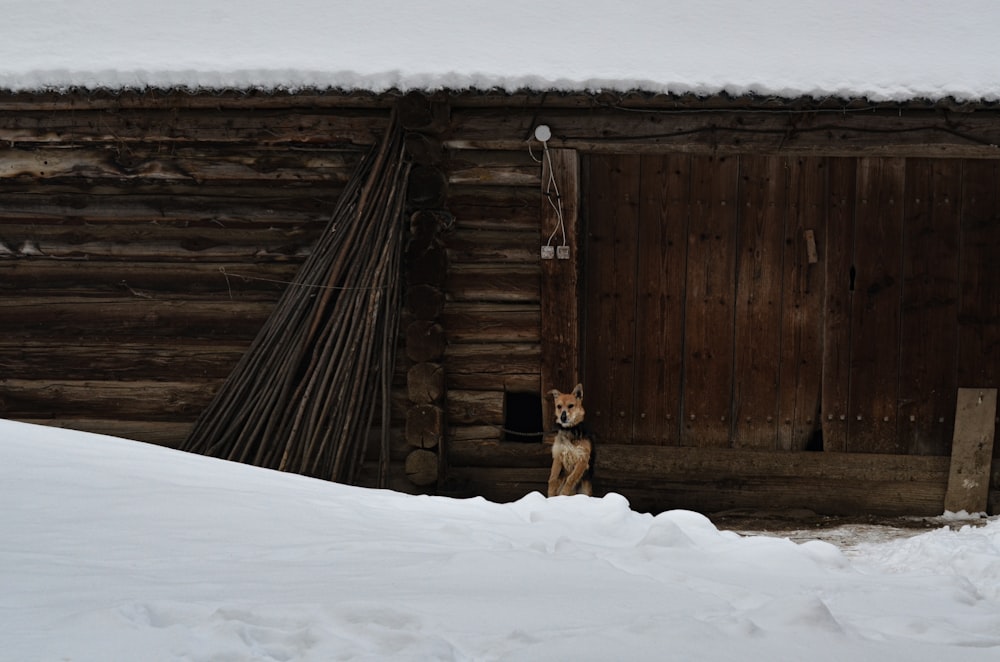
(569, 406)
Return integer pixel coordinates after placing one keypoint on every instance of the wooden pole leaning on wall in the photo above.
(302, 398)
(972, 451)
(426, 271)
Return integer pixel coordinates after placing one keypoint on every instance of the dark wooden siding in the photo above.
(762, 301)
(144, 240)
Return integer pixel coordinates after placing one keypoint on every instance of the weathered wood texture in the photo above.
(972, 451)
(770, 302)
(492, 308)
(701, 129)
(144, 241)
(657, 478)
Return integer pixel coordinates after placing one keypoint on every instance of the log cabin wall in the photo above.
(145, 237)
(862, 174)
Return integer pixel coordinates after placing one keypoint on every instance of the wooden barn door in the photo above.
(789, 303)
(701, 302)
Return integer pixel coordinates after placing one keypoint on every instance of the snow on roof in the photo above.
(885, 50)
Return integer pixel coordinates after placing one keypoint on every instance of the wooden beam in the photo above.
(972, 451)
(657, 478)
(933, 133)
(560, 281)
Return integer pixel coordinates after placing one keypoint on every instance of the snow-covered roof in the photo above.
(885, 50)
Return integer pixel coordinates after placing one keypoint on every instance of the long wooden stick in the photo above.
(303, 397)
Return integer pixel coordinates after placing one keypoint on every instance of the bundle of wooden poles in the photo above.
(303, 398)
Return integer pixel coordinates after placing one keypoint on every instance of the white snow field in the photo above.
(119, 550)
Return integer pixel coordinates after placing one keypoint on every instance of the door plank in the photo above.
(876, 315)
(763, 198)
(929, 328)
(662, 270)
(979, 303)
(838, 287)
(711, 291)
(610, 300)
(802, 305)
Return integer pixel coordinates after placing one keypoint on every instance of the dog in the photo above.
(572, 452)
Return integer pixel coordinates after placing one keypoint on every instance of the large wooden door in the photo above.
(774, 302)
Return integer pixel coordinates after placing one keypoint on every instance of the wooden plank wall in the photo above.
(492, 309)
(833, 296)
(145, 238)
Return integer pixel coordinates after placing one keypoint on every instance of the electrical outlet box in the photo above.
(548, 252)
(562, 252)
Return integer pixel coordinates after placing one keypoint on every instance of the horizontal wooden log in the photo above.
(914, 134)
(169, 359)
(705, 463)
(40, 276)
(828, 483)
(191, 164)
(472, 246)
(495, 207)
(424, 302)
(514, 283)
(292, 209)
(475, 407)
(128, 400)
(491, 322)
(498, 167)
(427, 187)
(150, 242)
(492, 358)
(103, 318)
(474, 433)
(424, 426)
(515, 383)
(161, 433)
(422, 467)
(425, 341)
(712, 481)
(423, 149)
(425, 383)
(500, 485)
(181, 125)
(496, 453)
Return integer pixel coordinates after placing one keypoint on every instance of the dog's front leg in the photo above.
(554, 477)
(569, 487)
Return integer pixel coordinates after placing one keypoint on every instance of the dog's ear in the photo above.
(578, 392)
(555, 393)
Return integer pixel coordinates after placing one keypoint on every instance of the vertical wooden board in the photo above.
(838, 297)
(972, 451)
(763, 193)
(711, 291)
(802, 304)
(560, 284)
(610, 300)
(662, 270)
(979, 304)
(929, 327)
(874, 389)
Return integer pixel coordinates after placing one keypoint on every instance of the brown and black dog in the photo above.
(572, 452)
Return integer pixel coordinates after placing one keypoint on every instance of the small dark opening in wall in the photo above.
(522, 417)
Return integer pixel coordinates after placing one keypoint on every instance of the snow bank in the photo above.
(120, 550)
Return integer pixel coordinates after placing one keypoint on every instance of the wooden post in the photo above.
(427, 272)
(972, 451)
(560, 286)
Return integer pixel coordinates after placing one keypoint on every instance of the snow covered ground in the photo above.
(885, 50)
(117, 550)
